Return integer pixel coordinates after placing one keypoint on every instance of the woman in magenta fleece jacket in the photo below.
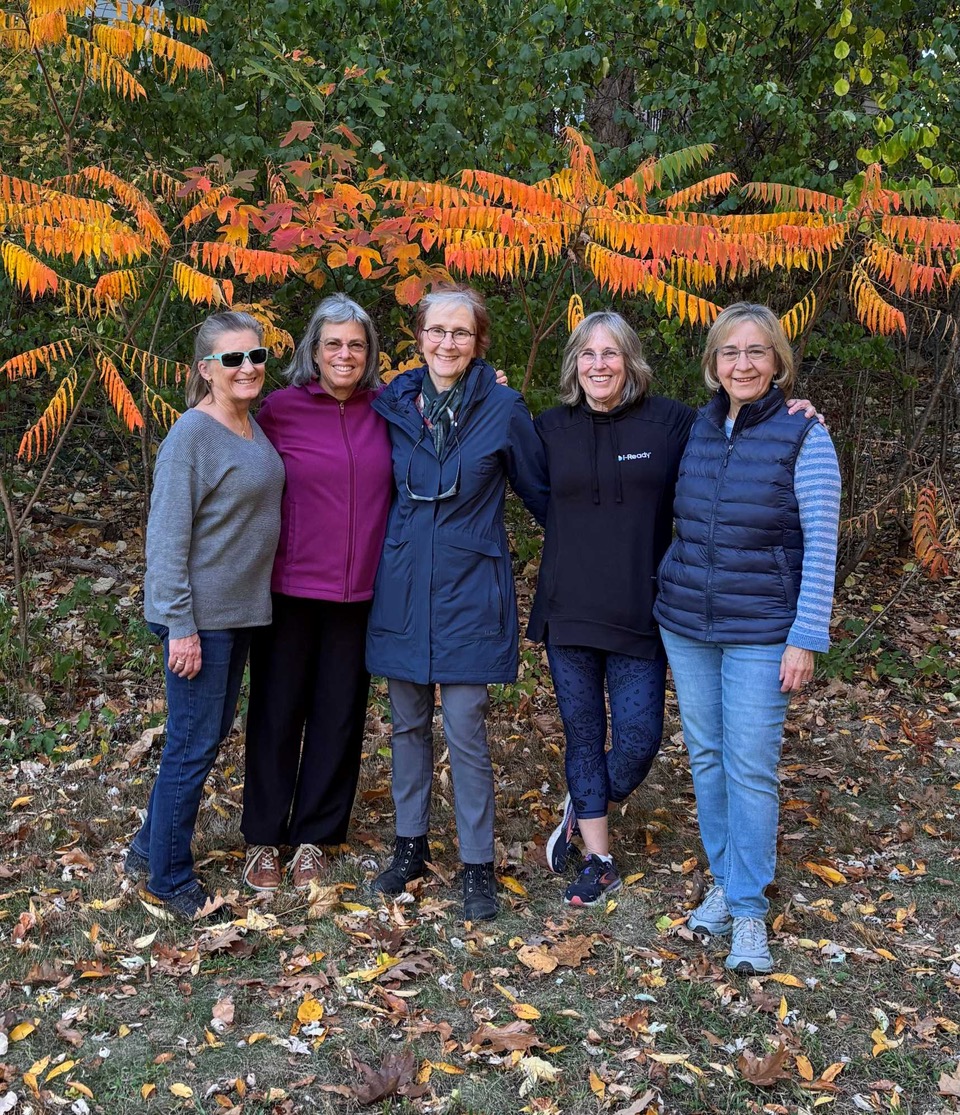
(308, 681)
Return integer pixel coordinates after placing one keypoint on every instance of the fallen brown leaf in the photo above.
(949, 1084)
(503, 1039)
(571, 951)
(396, 1076)
(764, 1072)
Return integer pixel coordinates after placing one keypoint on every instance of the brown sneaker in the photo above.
(262, 871)
(308, 863)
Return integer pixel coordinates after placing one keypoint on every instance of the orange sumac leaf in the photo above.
(13, 31)
(709, 187)
(924, 232)
(29, 363)
(19, 190)
(798, 317)
(68, 7)
(192, 24)
(102, 68)
(164, 413)
(144, 365)
(36, 440)
(117, 285)
(28, 272)
(118, 393)
(197, 286)
(250, 264)
(793, 197)
(177, 56)
(901, 273)
(48, 30)
(118, 40)
(872, 310)
(926, 534)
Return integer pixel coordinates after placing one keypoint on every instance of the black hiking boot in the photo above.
(479, 892)
(409, 861)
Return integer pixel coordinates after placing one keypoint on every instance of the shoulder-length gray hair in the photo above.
(334, 310)
(765, 320)
(455, 294)
(639, 373)
(207, 342)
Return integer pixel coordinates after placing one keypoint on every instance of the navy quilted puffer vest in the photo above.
(732, 574)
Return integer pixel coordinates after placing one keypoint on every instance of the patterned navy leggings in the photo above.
(636, 686)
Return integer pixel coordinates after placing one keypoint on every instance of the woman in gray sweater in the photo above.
(211, 535)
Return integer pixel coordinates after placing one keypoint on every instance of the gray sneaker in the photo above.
(712, 918)
(749, 952)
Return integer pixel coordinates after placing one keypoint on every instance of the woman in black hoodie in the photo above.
(613, 451)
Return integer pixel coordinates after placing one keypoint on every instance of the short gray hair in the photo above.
(639, 372)
(764, 319)
(456, 294)
(214, 327)
(334, 310)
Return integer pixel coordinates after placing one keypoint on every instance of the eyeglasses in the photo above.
(460, 336)
(356, 348)
(236, 359)
(588, 356)
(754, 353)
(453, 490)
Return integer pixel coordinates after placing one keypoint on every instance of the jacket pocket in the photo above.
(786, 578)
(468, 594)
(393, 593)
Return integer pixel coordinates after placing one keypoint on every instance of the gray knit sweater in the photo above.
(213, 528)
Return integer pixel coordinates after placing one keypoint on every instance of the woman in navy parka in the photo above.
(444, 610)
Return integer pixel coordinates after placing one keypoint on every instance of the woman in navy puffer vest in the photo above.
(745, 594)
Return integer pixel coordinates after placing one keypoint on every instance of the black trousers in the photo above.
(308, 703)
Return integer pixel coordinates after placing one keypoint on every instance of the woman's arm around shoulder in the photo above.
(816, 483)
(526, 461)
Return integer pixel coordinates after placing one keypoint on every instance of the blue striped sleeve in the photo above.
(816, 483)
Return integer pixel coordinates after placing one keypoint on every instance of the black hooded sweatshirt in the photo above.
(609, 522)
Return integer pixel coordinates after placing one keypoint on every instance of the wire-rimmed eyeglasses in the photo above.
(454, 488)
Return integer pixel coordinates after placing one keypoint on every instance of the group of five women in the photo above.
(389, 556)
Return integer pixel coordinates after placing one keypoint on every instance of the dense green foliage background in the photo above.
(804, 93)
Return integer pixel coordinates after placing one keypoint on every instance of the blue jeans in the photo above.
(200, 714)
(596, 776)
(732, 712)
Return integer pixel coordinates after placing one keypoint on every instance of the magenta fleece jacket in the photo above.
(337, 494)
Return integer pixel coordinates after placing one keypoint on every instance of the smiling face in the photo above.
(601, 370)
(446, 360)
(746, 378)
(234, 388)
(341, 357)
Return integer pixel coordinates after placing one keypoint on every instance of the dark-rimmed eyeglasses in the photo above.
(236, 359)
(454, 488)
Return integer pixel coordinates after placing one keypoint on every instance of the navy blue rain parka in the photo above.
(444, 605)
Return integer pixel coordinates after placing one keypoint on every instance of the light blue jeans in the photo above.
(732, 712)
